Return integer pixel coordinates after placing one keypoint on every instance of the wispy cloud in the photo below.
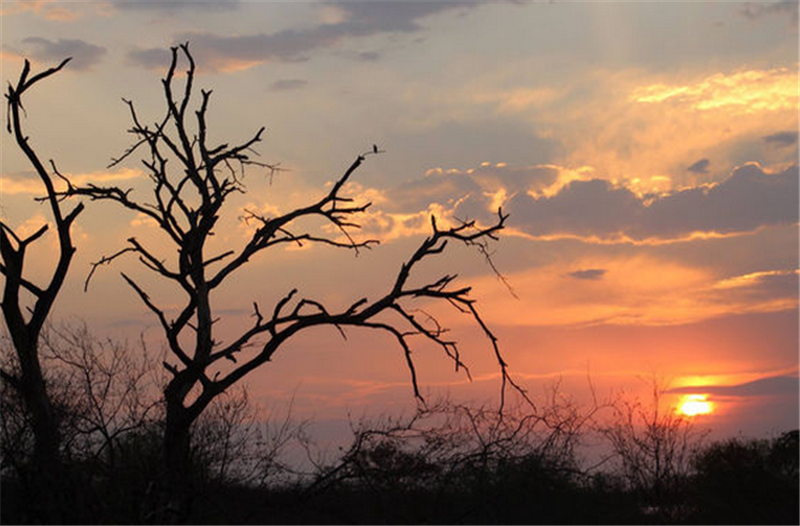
(636, 289)
(29, 183)
(776, 385)
(638, 126)
(52, 11)
(744, 91)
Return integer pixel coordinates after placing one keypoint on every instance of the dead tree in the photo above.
(186, 204)
(27, 305)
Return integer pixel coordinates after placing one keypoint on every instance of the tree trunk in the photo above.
(47, 480)
(171, 503)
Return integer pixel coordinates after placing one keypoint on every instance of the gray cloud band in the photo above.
(747, 200)
(84, 55)
(360, 19)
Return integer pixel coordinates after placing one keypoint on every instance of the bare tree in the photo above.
(107, 390)
(27, 305)
(653, 447)
(186, 205)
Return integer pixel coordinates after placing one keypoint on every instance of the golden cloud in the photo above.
(750, 91)
(648, 132)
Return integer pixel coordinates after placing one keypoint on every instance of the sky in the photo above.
(647, 153)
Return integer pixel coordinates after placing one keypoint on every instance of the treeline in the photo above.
(446, 464)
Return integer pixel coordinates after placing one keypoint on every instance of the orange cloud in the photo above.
(13, 185)
(48, 10)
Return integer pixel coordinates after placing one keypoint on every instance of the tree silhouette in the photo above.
(186, 205)
(26, 305)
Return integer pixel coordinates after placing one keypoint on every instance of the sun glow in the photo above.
(693, 405)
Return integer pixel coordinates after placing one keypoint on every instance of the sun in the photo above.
(695, 404)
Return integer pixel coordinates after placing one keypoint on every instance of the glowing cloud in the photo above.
(749, 91)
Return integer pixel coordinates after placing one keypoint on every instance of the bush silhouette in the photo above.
(748, 482)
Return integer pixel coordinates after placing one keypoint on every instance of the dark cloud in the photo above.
(782, 139)
(176, 5)
(584, 208)
(445, 188)
(759, 286)
(361, 19)
(367, 18)
(288, 84)
(84, 55)
(700, 167)
(756, 10)
(369, 56)
(776, 385)
(589, 274)
(469, 190)
(748, 199)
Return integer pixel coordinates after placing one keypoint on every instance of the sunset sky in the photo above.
(645, 151)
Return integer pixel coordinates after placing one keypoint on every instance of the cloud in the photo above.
(223, 53)
(625, 123)
(288, 84)
(451, 195)
(366, 18)
(747, 91)
(84, 55)
(47, 10)
(775, 385)
(700, 167)
(749, 199)
(173, 6)
(756, 10)
(548, 202)
(782, 139)
(590, 274)
(29, 183)
(151, 58)
(369, 56)
(759, 286)
(636, 288)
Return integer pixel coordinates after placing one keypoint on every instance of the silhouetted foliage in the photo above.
(748, 482)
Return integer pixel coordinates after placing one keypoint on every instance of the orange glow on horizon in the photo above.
(695, 404)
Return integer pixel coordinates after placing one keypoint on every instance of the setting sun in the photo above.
(693, 405)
